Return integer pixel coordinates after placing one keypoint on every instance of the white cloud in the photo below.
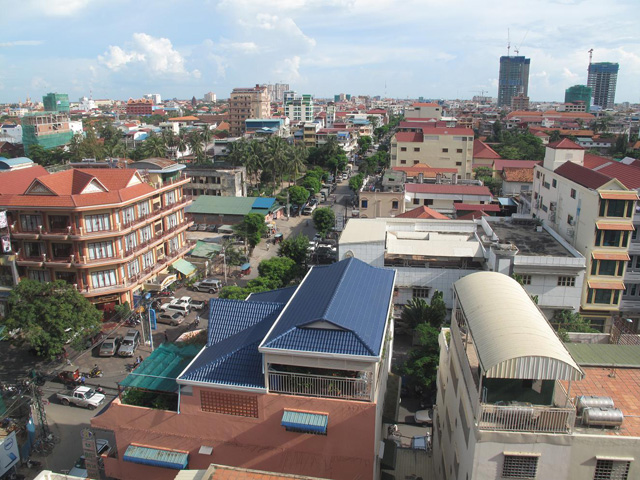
(39, 83)
(156, 55)
(279, 30)
(242, 47)
(21, 43)
(58, 8)
(289, 69)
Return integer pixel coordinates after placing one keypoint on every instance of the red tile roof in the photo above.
(17, 181)
(426, 170)
(417, 124)
(499, 164)
(472, 215)
(418, 104)
(582, 175)
(414, 137)
(471, 207)
(482, 150)
(565, 144)
(592, 161)
(627, 175)
(423, 212)
(447, 189)
(521, 175)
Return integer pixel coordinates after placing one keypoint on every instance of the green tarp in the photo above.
(206, 249)
(184, 267)
(159, 371)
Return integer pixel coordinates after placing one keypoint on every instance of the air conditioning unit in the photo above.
(570, 232)
(552, 206)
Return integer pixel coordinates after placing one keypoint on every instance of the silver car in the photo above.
(172, 318)
(110, 346)
(129, 343)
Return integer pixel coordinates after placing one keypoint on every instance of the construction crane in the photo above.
(590, 55)
(508, 43)
(516, 48)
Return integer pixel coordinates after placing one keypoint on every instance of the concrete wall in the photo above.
(347, 451)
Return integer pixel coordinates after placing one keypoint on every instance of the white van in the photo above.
(176, 307)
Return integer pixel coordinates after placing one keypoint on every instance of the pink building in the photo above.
(290, 381)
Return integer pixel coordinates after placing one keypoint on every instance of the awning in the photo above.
(225, 229)
(184, 267)
(156, 457)
(630, 195)
(614, 226)
(610, 256)
(305, 421)
(245, 266)
(602, 285)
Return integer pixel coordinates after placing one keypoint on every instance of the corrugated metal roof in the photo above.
(311, 422)
(263, 202)
(231, 356)
(281, 295)
(213, 205)
(605, 355)
(159, 370)
(13, 162)
(184, 267)
(156, 457)
(205, 249)
(340, 308)
(512, 337)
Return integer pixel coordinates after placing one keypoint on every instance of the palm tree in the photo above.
(114, 149)
(207, 136)
(237, 152)
(254, 159)
(415, 312)
(195, 142)
(181, 145)
(155, 147)
(277, 155)
(299, 156)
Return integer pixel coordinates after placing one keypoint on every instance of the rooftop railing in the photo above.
(311, 385)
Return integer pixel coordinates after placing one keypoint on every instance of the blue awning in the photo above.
(304, 421)
(245, 266)
(156, 457)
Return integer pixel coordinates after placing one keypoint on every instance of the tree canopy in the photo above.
(324, 219)
(298, 195)
(280, 269)
(50, 314)
(296, 249)
(252, 228)
(355, 182)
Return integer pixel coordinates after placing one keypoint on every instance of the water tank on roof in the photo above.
(586, 401)
(602, 417)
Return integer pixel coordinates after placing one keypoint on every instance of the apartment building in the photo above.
(221, 182)
(290, 381)
(247, 103)
(594, 212)
(142, 106)
(46, 129)
(299, 108)
(431, 254)
(505, 406)
(444, 197)
(420, 110)
(381, 204)
(109, 232)
(436, 147)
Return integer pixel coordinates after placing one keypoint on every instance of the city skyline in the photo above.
(432, 48)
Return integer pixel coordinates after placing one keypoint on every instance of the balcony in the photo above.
(326, 386)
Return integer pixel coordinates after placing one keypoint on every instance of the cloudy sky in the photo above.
(404, 49)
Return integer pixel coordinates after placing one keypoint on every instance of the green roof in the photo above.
(205, 249)
(184, 267)
(159, 371)
(213, 205)
(604, 355)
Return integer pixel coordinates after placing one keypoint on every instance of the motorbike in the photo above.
(95, 372)
(99, 389)
(133, 320)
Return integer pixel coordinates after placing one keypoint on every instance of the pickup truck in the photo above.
(82, 397)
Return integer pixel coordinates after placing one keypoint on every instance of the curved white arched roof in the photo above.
(512, 337)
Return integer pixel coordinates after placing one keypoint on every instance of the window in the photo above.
(603, 296)
(61, 250)
(458, 150)
(33, 249)
(147, 260)
(229, 404)
(97, 223)
(566, 281)
(394, 204)
(364, 203)
(420, 292)
(133, 268)
(573, 193)
(554, 183)
(106, 278)
(416, 201)
(607, 267)
(612, 238)
(526, 279)
(174, 245)
(100, 250)
(416, 149)
(39, 275)
(30, 223)
(634, 234)
(630, 262)
(520, 466)
(403, 149)
(538, 174)
(428, 201)
(570, 219)
(612, 470)
(403, 162)
(128, 215)
(445, 150)
(131, 241)
(143, 208)
(170, 197)
(146, 233)
(458, 164)
(615, 208)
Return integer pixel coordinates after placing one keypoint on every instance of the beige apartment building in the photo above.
(245, 103)
(423, 110)
(437, 147)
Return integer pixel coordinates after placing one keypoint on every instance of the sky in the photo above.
(437, 49)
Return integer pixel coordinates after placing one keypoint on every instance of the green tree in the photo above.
(281, 269)
(50, 314)
(312, 184)
(252, 228)
(422, 363)
(296, 249)
(496, 135)
(355, 182)
(363, 144)
(324, 219)
(554, 136)
(418, 311)
(298, 195)
(154, 147)
(569, 321)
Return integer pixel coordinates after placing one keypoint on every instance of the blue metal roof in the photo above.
(281, 295)
(309, 422)
(263, 202)
(340, 308)
(156, 457)
(231, 356)
(13, 162)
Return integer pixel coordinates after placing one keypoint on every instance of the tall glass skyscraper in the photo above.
(513, 79)
(602, 79)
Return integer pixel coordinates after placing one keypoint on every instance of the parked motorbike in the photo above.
(33, 464)
(95, 372)
(133, 320)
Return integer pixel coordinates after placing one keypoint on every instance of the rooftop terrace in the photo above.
(529, 241)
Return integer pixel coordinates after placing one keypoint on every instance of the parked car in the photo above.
(82, 397)
(80, 468)
(176, 307)
(193, 227)
(211, 285)
(130, 343)
(202, 227)
(212, 228)
(110, 345)
(198, 304)
(186, 300)
(171, 318)
(423, 417)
